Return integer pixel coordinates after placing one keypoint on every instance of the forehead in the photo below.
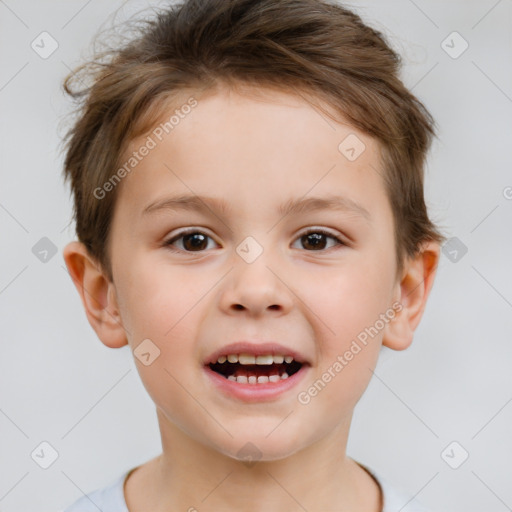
(252, 146)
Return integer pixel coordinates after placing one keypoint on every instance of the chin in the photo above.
(260, 449)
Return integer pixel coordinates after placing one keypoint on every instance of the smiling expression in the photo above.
(246, 223)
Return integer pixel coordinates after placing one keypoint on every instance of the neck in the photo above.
(191, 476)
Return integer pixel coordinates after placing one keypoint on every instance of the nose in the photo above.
(255, 288)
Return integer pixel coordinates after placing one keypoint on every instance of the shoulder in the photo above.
(395, 499)
(107, 499)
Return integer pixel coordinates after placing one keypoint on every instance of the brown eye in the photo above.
(316, 240)
(313, 241)
(191, 241)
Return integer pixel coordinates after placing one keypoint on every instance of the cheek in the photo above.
(347, 362)
(163, 314)
(351, 300)
(351, 306)
(159, 305)
(158, 301)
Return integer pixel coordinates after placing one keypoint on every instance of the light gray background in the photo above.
(59, 384)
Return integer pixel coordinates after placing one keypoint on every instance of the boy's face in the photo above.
(310, 294)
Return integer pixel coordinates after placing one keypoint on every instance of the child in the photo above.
(248, 187)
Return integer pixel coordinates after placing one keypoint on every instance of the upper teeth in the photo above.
(252, 359)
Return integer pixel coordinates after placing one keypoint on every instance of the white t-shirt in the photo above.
(111, 498)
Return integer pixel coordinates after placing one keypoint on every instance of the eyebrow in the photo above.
(291, 207)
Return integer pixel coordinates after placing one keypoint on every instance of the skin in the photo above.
(255, 148)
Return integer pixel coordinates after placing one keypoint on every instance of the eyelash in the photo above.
(168, 243)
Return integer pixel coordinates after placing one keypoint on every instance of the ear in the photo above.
(412, 293)
(98, 295)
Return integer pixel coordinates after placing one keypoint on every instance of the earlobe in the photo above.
(412, 292)
(97, 293)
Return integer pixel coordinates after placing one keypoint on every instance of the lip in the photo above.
(257, 349)
(256, 392)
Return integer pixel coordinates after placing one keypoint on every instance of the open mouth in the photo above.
(250, 369)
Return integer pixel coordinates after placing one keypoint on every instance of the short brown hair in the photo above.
(313, 46)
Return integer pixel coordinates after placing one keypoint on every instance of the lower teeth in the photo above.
(261, 379)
